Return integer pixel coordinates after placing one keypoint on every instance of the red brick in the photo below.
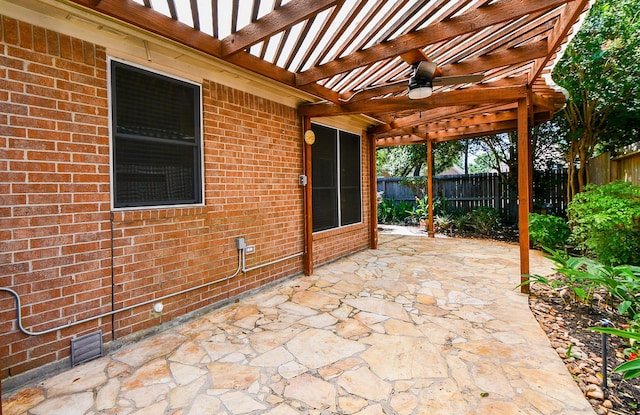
(30, 78)
(76, 90)
(40, 40)
(52, 157)
(52, 92)
(35, 188)
(48, 71)
(53, 47)
(10, 30)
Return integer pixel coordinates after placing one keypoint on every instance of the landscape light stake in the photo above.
(605, 323)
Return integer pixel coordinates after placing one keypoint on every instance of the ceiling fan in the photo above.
(423, 79)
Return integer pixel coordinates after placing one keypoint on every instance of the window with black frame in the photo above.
(336, 178)
(156, 138)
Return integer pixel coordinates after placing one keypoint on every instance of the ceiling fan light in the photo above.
(420, 92)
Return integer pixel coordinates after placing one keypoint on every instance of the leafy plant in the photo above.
(548, 231)
(605, 222)
(421, 209)
(391, 211)
(483, 220)
(385, 211)
(584, 276)
(443, 223)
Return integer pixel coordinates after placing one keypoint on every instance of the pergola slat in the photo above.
(569, 15)
(195, 14)
(274, 22)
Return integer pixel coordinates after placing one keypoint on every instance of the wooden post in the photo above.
(308, 210)
(530, 149)
(373, 193)
(430, 230)
(524, 178)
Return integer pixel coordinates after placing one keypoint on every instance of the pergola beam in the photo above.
(398, 125)
(469, 121)
(498, 59)
(469, 96)
(472, 132)
(147, 19)
(478, 64)
(568, 17)
(471, 21)
(463, 128)
(400, 141)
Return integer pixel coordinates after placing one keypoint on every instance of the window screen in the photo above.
(336, 178)
(350, 197)
(156, 128)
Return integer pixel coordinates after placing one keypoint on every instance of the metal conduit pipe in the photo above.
(112, 312)
(245, 270)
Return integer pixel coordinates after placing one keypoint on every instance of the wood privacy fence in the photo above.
(468, 192)
(604, 169)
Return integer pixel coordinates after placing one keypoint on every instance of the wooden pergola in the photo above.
(357, 57)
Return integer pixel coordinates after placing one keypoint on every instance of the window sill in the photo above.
(338, 231)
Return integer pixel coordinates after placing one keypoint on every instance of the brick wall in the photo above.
(55, 190)
(252, 158)
(59, 238)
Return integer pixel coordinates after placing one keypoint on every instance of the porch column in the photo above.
(373, 194)
(430, 230)
(308, 210)
(524, 179)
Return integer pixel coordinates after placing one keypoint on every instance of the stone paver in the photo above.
(418, 326)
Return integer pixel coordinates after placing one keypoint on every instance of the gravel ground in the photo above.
(566, 321)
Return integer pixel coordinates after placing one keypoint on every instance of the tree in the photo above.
(410, 160)
(484, 162)
(499, 152)
(600, 70)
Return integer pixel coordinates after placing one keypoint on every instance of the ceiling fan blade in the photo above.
(457, 79)
(425, 70)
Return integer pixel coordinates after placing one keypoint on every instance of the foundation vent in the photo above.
(85, 348)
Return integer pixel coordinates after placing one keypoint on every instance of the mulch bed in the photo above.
(566, 321)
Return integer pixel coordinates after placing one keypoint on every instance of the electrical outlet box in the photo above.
(240, 244)
(250, 249)
(302, 180)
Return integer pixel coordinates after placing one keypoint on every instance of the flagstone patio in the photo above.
(418, 326)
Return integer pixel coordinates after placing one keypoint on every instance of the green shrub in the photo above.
(548, 231)
(391, 211)
(585, 276)
(443, 223)
(483, 220)
(420, 210)
(605, 222)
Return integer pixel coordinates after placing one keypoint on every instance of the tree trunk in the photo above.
(586, 122)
